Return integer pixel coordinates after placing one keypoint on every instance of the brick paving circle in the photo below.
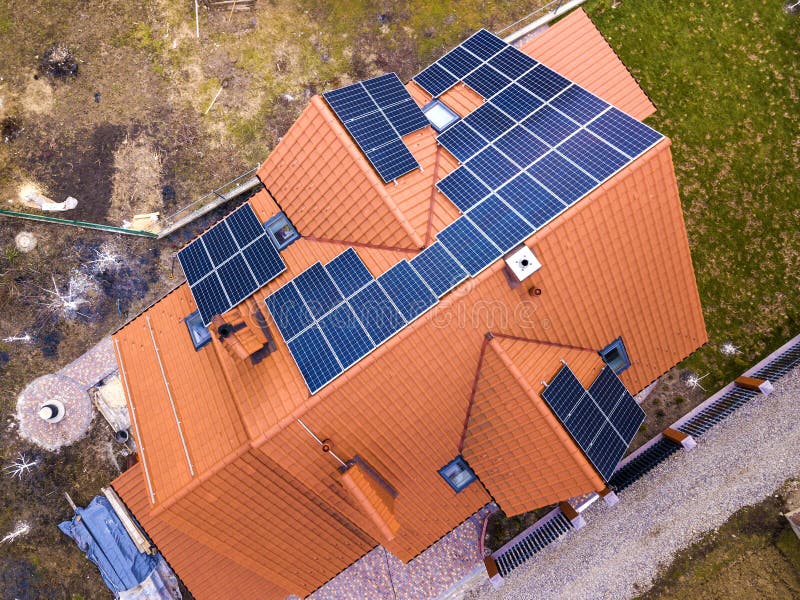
(77, 405)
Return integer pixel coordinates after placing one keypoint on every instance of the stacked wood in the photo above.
(230, 4)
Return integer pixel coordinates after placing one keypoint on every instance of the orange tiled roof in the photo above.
(615, 264)
(512, 440)
(212, 574)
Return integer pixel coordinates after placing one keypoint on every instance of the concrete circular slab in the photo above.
(77, 405)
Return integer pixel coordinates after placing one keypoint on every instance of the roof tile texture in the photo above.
(209, 574)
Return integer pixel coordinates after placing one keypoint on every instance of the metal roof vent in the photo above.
(523, 263)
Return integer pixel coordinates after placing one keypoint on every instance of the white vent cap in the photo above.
(523, 263)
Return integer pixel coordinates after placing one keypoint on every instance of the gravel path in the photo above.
(619, 552)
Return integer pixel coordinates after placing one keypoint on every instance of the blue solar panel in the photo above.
(516, 102)
(386, 90)
(245, 225)
(561, 177)
(492, 167)
(488, 121)
(468, 245)
(371, 130)
(602, 420)
(237, 279)
(315, 358)
(531, 200)
(461, 141)
(264, 260)
(578, 104)
(210, 297)
(439, 270)
(613, 398)
(606, 450)
(521, 146)
(543, 82)
(377, 313)
(512, 63)
(220, 243)
(194, 260)
(459, 62)
(350, 102)
(406, 116)
(486, 80)
(348, 272)
(563, 393)
(463, 188)
(361, 108)
(435, 80)
(627, 418)
(392, 160)
(407, 290)
(345, 335)
(500, 224)
(484, 45)
(242, 259)
(318, 290)
(624, 132)
(550, 125)
(288, 311)
(593, 155)
(607, 390)
(585, 420)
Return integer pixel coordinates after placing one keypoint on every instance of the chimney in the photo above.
(243, 332)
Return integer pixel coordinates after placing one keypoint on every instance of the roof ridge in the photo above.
(543, 342)
(367, 169)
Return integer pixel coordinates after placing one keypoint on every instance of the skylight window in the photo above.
(281, 231)
(457, 473)
(616, 356)
(197, 331)
(439, 115)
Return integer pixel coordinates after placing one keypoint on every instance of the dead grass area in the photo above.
(136, 181)
(754, 555)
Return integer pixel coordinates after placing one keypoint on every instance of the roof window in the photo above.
(615, 356)
(457, 473)
(197, 331)
(439, 115)
(281, 230)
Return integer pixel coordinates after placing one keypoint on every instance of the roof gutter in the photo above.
(558, 8)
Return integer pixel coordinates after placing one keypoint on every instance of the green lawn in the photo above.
(723, 76)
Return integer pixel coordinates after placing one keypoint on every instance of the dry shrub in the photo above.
(136, 181)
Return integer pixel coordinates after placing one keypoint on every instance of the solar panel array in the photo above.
(333, 315)
(535, 147)
(229, 262)
(602, 420)
(378, 112)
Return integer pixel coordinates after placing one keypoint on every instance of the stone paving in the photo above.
(379, 575)
(70, 385)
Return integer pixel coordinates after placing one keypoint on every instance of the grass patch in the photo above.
(723, 77)
(753, 555)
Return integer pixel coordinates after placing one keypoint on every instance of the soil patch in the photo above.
(82, 167)
(670, 399)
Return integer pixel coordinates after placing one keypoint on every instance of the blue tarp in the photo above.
(101, 536)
